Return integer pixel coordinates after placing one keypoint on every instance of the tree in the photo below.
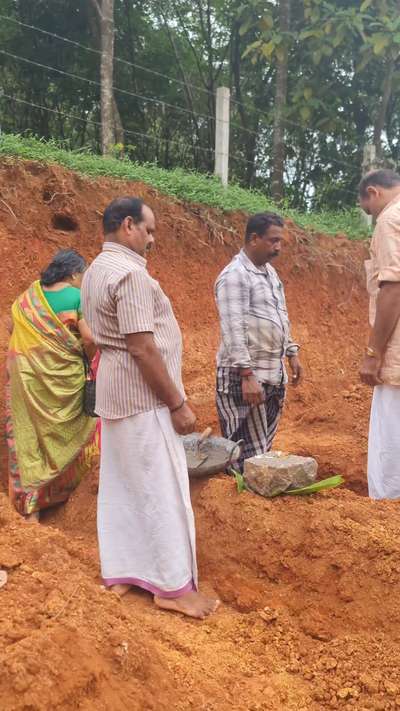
(110, 120)
(384, 41)
(342, 81)
(281, 82)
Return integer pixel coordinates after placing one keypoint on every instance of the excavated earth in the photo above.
(310, 615)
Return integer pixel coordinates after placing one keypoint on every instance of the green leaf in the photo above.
(338, 39)
(329, 483)
(365, 5)
(266, 23)
(307, 34)
(359, 24)
(251, 48)
(268, 49)
(240, 483)
(380, 42)
(307, 93)
(305, 113)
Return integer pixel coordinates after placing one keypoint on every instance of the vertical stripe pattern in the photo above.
(256, 425)
(255, 329)
(119, 297)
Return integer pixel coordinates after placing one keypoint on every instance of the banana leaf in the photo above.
(329, 483)
(314, 488)
(240, 485)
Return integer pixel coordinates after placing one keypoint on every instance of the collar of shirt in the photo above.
(115, 247)
(388, 206)
(248, 264)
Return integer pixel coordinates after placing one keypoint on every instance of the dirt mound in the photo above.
(66, 643)
(309, 617)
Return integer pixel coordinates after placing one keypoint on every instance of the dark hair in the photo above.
(261, 222)
(120, 208)
(66, 263)
(385, 178)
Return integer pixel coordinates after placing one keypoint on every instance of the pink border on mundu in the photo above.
(189, 587)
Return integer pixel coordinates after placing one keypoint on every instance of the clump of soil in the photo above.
(67, 643)
(309, 616)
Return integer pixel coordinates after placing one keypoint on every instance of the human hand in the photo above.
(369, 370)
(297, 371)
(183, 420)
(252, 391)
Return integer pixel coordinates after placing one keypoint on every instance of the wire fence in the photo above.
(192, 141)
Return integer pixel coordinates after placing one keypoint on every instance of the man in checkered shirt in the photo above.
(255, 340)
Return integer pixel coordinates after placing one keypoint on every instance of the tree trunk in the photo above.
(380, 121)
(106, 76)
(278, 142)
(118, 127)
(105, 11)
(112, 130)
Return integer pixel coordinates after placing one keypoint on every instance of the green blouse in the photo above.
(66, 303)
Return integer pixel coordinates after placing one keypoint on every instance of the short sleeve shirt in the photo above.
(383, 266)
(120, 297)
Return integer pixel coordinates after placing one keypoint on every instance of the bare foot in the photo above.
(121, 589)
(193, 604)
(32, 517)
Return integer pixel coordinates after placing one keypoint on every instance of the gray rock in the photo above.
(275, 472)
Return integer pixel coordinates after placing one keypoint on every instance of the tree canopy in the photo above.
(311, 81)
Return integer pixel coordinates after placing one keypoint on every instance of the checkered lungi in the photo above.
(255, 424)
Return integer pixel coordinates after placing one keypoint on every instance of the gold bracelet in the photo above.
(371, 352)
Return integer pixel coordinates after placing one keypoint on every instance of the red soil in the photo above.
(327, 568)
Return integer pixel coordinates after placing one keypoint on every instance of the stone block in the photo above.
(275, 472)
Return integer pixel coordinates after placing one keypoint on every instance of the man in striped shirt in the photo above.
(255, 340)
(145, 519)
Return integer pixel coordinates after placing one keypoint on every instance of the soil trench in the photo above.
(310, 617)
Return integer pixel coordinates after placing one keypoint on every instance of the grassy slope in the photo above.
(182, 185)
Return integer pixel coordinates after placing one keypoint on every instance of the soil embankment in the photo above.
(309, 586)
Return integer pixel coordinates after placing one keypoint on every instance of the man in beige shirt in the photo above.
(144, 517)
(380, 368)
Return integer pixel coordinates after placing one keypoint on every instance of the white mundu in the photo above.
(384, 443)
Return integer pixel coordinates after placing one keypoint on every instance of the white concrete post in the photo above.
(222, 135)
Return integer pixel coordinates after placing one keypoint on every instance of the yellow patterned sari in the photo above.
(51, 441)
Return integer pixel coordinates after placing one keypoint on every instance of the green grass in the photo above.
(180, 184)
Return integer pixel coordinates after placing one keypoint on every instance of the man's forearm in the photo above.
(153, 369)
(387, 316)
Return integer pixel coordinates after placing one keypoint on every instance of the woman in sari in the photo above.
(51, 440)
